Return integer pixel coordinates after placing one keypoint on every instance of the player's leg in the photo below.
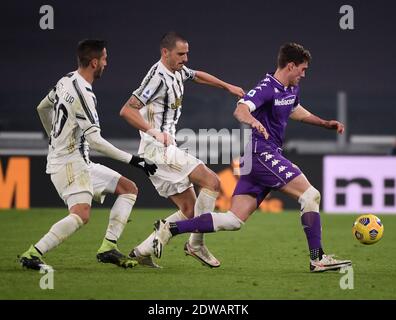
(247, 196)
(79, 211)
(242, 207)
(105, 181)
(309, 198)
(188, 203)
(142, 253)
(209, 182)
(73, 184)
(171, 181)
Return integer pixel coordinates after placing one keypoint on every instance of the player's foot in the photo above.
(146, 261)
(202, 254)
(161, 237)
(328, 263)
(32, 259)
(109, 253)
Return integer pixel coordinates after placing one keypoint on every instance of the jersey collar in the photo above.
(167, 71)
(276, 83)
(86, 83)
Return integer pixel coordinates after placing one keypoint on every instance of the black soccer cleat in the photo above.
(115, 257)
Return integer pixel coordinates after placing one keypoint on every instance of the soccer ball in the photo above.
(368, 229)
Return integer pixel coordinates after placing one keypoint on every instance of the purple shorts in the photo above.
(269, 170)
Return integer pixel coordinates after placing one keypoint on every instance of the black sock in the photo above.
(38, 250)
(173, 228)
(316, 253)
(112, 241)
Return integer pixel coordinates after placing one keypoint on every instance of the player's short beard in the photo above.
(98, 73)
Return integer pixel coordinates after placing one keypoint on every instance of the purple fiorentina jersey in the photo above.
(271, 103)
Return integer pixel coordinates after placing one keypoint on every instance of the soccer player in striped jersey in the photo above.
(155, 108)
(266, 109)
(68, 114)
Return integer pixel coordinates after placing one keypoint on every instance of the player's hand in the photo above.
(162, 137)
(141, 163)
(335, 125)
(260, 128)
(236, 91)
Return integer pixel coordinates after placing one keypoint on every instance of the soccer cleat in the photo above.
(161, 237)
(146, 261)
(328, 263)
(31, 259)
(202, 254)
(109, 253)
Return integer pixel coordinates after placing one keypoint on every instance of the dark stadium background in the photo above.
(235, 40)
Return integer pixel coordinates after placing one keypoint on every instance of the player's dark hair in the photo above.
(292, 52)
(89, 49)
(169, 40)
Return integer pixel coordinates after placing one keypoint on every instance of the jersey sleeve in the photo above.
(85, 109)
(149, 87)
(51, 95)
(297, 101)
(187, 74)
(256, 97)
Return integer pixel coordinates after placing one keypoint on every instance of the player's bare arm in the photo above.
(242, 114)
(303, 115)
(130, 112)
(206, 78)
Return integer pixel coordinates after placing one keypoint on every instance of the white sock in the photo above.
(146, 247)
(227, 221)
(119, 215)
(206, 202)
(59, 232)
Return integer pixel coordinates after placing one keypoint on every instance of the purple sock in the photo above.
(201, 224)
(313, 229)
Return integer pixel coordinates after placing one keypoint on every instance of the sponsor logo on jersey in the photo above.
(284, 102)
(146, 93)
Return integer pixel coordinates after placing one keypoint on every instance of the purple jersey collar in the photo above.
(276, 83)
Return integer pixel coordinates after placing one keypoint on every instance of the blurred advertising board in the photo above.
(359, 184)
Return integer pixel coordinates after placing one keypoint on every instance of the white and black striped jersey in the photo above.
(161, 92)
(74, 115)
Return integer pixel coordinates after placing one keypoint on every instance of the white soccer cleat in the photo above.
(328, 263)
(202, 254)
(161, 237)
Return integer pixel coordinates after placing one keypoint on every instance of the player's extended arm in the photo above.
(45, 109)
(206, 78)
(130, 112)
(242, 114)
(98, 143)
(303, 115)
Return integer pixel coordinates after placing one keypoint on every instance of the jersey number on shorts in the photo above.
(60, 117)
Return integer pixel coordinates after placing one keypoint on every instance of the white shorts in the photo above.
(78, 177)
(174, 167)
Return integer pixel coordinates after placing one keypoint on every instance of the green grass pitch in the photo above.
(266, 259)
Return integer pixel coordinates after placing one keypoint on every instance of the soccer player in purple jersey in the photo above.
(266, 109)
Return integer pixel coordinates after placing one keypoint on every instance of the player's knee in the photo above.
(83, 211)
(133, 189)
(226, 222)
(213, 183)
(85, 217)
(126, 186)
(187, 209)
(310, 200)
